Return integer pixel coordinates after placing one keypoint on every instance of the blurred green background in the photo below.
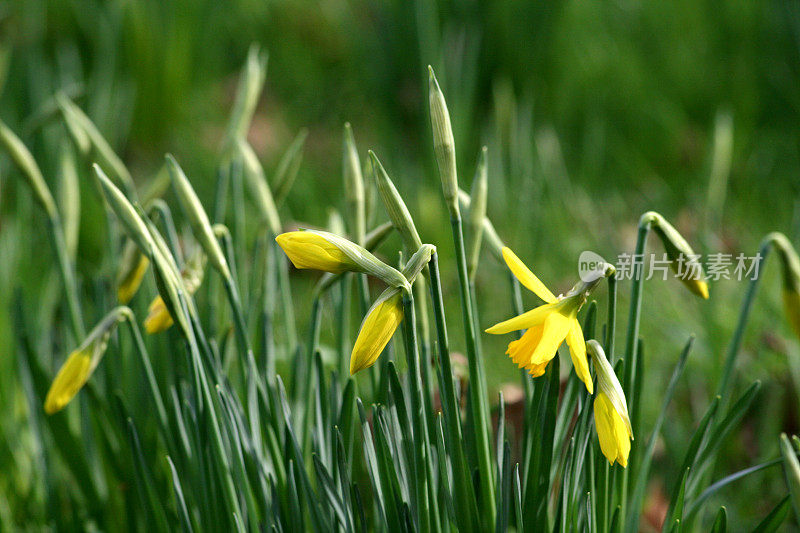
(592, 112)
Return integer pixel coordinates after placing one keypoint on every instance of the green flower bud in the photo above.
(477, 214)
(198, 219)
(444, 145)
(395, 206)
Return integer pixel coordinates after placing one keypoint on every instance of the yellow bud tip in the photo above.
(158, 318)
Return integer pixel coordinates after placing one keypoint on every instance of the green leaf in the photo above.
(720, 522)
(775, 518)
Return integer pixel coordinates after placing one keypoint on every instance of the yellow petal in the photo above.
(308, 250)
(526, 320)
(614, 441)
(70, 378)
(158, 318)
(577, 351)
(555, 329)
(791, 305)
(376, 330)
(526, 277)
(131, 283)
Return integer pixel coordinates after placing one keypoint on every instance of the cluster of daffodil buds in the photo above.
(320, 250)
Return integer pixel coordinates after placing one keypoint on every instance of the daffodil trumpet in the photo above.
(550, 324)
(611, 420)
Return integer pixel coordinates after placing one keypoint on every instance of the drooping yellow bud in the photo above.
(612, 422)
(80, 364)
(158, 316)
(790, 264)
(385, 315)
(378, 327)
(683, 260)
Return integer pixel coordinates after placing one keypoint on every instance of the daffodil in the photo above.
(790, 263)
(548, 325)
(81, 363)
(132, 269)
(385, 316)
(320, 250)
(377, 329)
(158, 316)
(611, 418)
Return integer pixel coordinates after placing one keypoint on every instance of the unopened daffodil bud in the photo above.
(251, 81)
(611, 418)
(259, 188)
(354, 186)
(395, 206)
(373, 239)
(158, 315)
(477, 214)
(790, 264)
(81, 363)
(683, 261)
(791, 471)
(385, 315)
(490, 234)
(320, 250)
(288, 167)
(132, 268)
(444, 145)
(27, 164)
(197, 217)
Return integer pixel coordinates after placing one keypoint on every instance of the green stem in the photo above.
(421, 444)
(611, 324)
(151, 380)
(477, 388)
(631, 343)
(738, 334)
(466, 512)
(286, 298)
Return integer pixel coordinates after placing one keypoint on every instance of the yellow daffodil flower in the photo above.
(615, 441)
(309, 250)
(132, 278)
(320, 250)
(548, 325)
(611, 418)
(385, 315)
(80, 364)
(158, 317)
(377, 329)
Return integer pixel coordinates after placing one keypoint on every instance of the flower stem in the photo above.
(466, 512)
(477, 387)
(421, 441)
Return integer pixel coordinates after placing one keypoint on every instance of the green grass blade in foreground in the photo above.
(775, 518)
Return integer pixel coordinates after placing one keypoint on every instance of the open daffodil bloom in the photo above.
(548, 325)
